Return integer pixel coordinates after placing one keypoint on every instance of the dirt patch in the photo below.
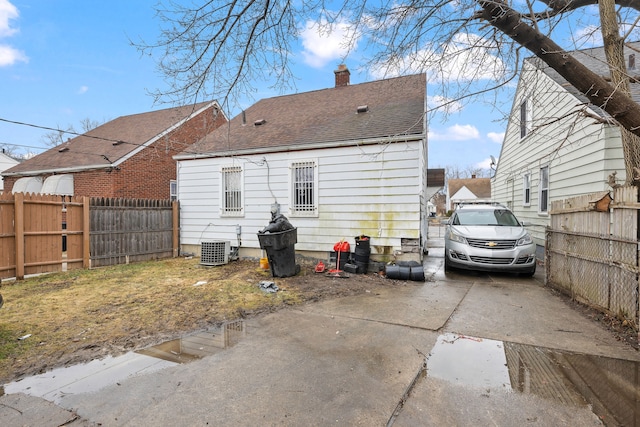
(68, 318)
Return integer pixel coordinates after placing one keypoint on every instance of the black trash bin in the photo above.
(363, 251)
(281, 253)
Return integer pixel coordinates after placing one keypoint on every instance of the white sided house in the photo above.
(338, 163)
(6, 162)
(557, 145)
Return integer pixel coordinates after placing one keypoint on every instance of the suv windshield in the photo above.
(486, 217)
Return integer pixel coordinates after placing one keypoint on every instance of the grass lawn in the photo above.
(62, 318)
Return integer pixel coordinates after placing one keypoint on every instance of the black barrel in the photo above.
(362, 253)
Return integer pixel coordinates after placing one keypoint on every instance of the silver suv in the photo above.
(488, 237)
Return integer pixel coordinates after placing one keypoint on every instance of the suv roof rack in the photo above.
(480, 203)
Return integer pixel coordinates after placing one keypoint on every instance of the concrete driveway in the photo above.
(422, 353)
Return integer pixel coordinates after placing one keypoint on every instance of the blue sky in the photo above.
(64, 61)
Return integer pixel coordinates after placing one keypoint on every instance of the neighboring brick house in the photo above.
(129, 157)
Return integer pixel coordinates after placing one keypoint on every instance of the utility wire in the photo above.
(67, 131)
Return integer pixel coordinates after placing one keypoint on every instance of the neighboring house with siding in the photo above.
(557, 145)
(468, 190)
(6, 162)
(338, 163)
(129, 157)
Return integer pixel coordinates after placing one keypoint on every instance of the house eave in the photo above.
(301, 147)
(58, 170)
(166, 132)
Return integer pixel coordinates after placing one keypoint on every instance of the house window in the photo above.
(304, 188)
(526, 190)
(231, 191)
(173, 190)
(525, 118)
(544, 190)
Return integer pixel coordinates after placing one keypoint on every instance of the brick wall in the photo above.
(148, 173)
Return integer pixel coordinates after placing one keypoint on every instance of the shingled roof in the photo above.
(480, 187)
(595, 60)
(350, 114)
(108, 144)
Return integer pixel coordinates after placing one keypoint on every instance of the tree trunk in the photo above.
(614, 51)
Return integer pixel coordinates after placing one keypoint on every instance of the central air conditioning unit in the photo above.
(215, 252)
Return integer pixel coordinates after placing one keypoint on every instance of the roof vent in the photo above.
(117, 142)
(363, 109)
(259, 122)
(63, 149)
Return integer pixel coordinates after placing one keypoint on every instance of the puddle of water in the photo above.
(610, 386)
(198, 345)
(97, 374)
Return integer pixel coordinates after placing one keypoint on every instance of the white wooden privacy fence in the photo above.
(592, 250)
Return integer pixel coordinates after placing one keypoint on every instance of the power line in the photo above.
(66, 131)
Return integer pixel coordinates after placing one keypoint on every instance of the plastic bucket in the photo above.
(264, 263)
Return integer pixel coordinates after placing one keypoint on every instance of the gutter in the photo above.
(59, 170)
(300, 147)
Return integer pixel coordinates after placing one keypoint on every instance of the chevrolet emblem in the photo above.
(491, 244)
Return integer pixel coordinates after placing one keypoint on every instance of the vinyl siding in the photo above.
(6, 162)
(373, 190)
(580, 153)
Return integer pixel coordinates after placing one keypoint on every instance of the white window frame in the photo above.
(225, 209)
(173, 190)
(303, 204)
(543, 191)
(526, 189)
(526, 118)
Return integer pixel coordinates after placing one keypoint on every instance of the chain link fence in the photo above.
(592, 251)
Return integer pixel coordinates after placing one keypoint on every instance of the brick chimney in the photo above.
(342, 75)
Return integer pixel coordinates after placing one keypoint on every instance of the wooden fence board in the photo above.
(7, 238)
(44, 233)
(134, 230)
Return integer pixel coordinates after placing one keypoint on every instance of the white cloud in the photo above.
(455, 133)
(587, 37)
(83, 89)
(9, 55)
(7, 12)
(485, 164)
(496, 137)
(326, 42)
(467, 57)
